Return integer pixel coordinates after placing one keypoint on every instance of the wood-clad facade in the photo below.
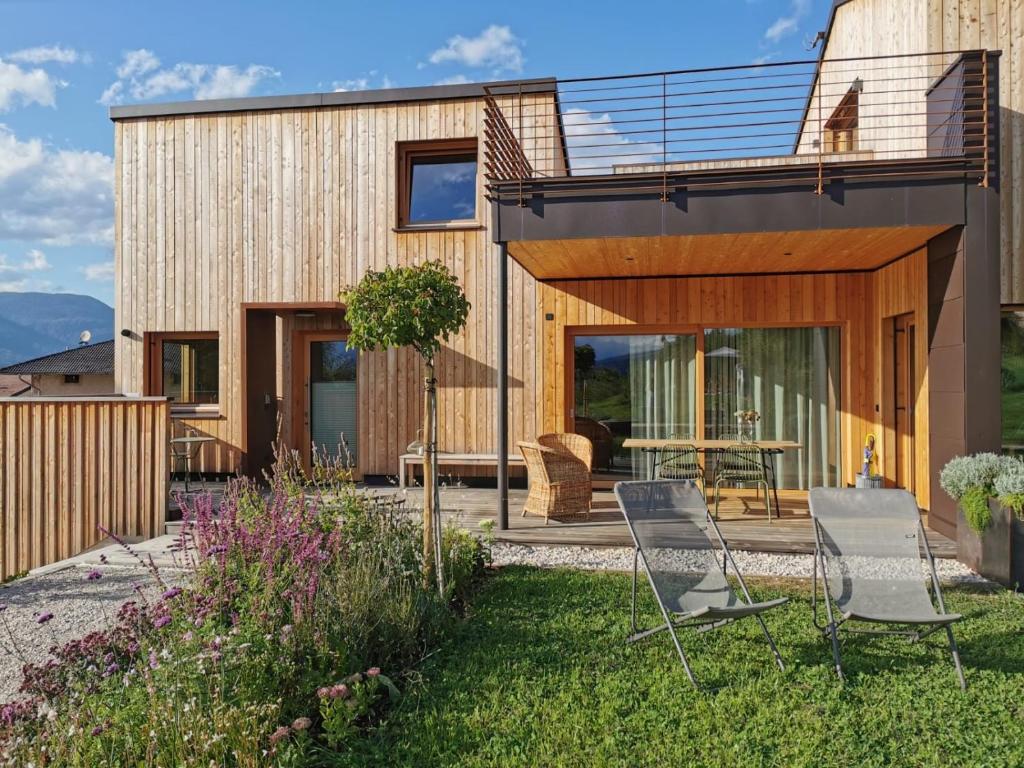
(246, 220)
(895, 27)
(226, 217)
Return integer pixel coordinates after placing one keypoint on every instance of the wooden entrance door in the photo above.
(325, 398)
(904, 388)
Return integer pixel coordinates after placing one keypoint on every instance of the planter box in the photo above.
(998, 553)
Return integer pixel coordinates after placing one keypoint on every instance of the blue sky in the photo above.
(62, 62)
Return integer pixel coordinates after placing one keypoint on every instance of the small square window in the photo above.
(437, 182)
(185, 368)
(71, 378)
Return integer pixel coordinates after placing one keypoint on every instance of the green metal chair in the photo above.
(682, 463)
(742, 464)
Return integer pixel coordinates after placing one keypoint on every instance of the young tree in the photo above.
(417, 307)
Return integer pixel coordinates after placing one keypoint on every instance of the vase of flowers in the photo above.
(745, 420)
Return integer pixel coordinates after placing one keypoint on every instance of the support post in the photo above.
(502, 386)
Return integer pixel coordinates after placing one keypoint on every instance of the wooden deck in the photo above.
(742, 520)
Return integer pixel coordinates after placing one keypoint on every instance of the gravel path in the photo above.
(621, 559)
(78, 607)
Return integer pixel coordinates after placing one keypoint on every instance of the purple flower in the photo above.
(96, 731)
(172, 593)
(323, 692)
(110, 670)
(339, 691)
(301, 724)
(187, 637)
(94, 575)
(280, 733)
(42, 618)
(108, 658)
(161, 621)
(153, 663)
(373, 671)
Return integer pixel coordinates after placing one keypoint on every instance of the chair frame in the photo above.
(669, 455)
(763, 481)
(834, 625)
(686, 620)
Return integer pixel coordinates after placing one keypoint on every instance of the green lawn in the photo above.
(539, 675)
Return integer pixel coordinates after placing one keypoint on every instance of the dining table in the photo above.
(769, 450)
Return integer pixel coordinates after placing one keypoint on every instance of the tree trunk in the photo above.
(429, 449)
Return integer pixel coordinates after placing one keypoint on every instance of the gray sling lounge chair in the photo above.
(664, 518)
(868, 545)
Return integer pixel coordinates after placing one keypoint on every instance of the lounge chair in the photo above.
(685, 558)
(868, 544)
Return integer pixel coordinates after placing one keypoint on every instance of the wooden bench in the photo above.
(452, 459)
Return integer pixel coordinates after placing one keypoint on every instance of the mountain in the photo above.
(35, 324)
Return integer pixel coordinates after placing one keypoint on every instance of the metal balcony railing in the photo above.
(796, 122)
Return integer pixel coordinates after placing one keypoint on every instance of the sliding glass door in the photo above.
(787, 381)
(633, 386)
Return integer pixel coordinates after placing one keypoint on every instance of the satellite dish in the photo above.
(84, 337)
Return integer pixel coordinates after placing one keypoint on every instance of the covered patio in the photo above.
(742, 520)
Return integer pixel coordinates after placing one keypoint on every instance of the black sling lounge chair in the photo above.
(869, 545)
(685, 558)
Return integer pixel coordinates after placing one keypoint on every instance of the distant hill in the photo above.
(35, 324)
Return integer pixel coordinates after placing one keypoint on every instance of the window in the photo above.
(841, 127)
(790, 377)
(634, 386)
(185, 368)
(437, 183)
(71, 378)
(1012, 381)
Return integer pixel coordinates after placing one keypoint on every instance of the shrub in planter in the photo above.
(970, 481)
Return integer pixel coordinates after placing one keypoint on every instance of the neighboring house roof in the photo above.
(87, 358)
(337, 99)
(12, 386)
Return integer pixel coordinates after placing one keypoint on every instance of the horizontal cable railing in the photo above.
(920, 114)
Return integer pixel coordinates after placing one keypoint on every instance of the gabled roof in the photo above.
(87, 358)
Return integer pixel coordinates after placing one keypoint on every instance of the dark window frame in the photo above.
(153, 368)
(72, 378)
(406, 154)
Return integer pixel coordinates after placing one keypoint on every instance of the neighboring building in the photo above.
(12, 386)
(642, 259)
(87, 369)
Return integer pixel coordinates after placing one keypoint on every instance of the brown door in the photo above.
(905, 392)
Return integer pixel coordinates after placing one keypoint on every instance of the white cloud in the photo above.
(137, 62)
(43, 54)
(495, 47)
(370, 80)
(787, 25)
(26, 86)
(594, 144)
(103, 271)
(141, 77)
(54, 196)
(759, 60)
(35, 261)
(453, 80)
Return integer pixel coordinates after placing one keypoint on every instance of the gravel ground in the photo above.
(621, 559)
(78, 607)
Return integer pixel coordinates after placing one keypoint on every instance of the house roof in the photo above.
(87, 358)
(12, 386)
(341, 98)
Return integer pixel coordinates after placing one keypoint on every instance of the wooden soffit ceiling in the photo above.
(820, 250)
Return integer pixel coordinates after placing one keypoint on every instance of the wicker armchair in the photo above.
(559, 470)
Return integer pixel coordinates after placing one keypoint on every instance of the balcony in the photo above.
(798, 124)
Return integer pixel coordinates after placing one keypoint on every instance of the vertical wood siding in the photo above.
(213, 211)
(69, 466)
(856, 302)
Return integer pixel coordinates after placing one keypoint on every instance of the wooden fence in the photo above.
(71, 465)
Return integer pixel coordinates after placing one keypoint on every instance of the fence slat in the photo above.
(69, 465)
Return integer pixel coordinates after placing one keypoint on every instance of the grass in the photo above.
(539, 675)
